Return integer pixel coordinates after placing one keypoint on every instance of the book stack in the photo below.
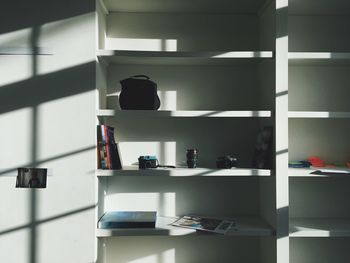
(108, 157)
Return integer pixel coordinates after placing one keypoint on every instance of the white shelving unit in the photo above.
(319, 64)
(215, 65)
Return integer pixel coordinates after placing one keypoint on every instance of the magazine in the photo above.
(214, 225)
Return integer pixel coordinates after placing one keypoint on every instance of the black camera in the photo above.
(146, 162)
(226, 162)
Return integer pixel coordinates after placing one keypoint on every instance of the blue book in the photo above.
(122, 219)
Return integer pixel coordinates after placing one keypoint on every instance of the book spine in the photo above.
(108, 162)
(111, 225)
(109, 147)
(110, 133)
(115, 157)
(99, 148)
(103, 148)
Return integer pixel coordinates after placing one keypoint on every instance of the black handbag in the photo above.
(138, 93)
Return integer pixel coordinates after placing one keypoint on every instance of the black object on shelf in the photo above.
(139, 93)
(151, 161)
(148, 161)
(128, 219)
(31, 178)
(226, 162)
(192, 158)
(263, 149)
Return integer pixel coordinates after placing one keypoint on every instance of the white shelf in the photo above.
(305, 172)
(185, 6)
(26, 51)
(183, 172)
(318, 114)
(319, 58)
(247, 227)
(319, 227)
(183, 114)
(181, 58)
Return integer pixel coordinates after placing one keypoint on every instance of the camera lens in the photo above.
(192, 154)
(148, 164)
(192, 157)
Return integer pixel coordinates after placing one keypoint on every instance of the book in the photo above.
(108, 155)
(101, 162)
(113, 150)
(106, 144)
(214, 225)
(127, 219)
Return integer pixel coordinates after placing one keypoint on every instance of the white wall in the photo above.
(319, 88)
(185, 32)
(322, 250)
(319, 198)
(319, 33)
(47, 120)
(182, 249)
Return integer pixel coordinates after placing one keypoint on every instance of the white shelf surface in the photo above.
(182, 114)
(319, 58)
(319, 227)
(183, 172)
(333, 172)
(318, 114)
(181, 58)
(246, 227)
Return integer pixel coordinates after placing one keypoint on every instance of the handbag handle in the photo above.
(141, 76)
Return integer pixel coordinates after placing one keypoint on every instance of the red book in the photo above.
(100, 153)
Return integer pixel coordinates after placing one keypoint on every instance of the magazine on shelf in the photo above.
(215, 225)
